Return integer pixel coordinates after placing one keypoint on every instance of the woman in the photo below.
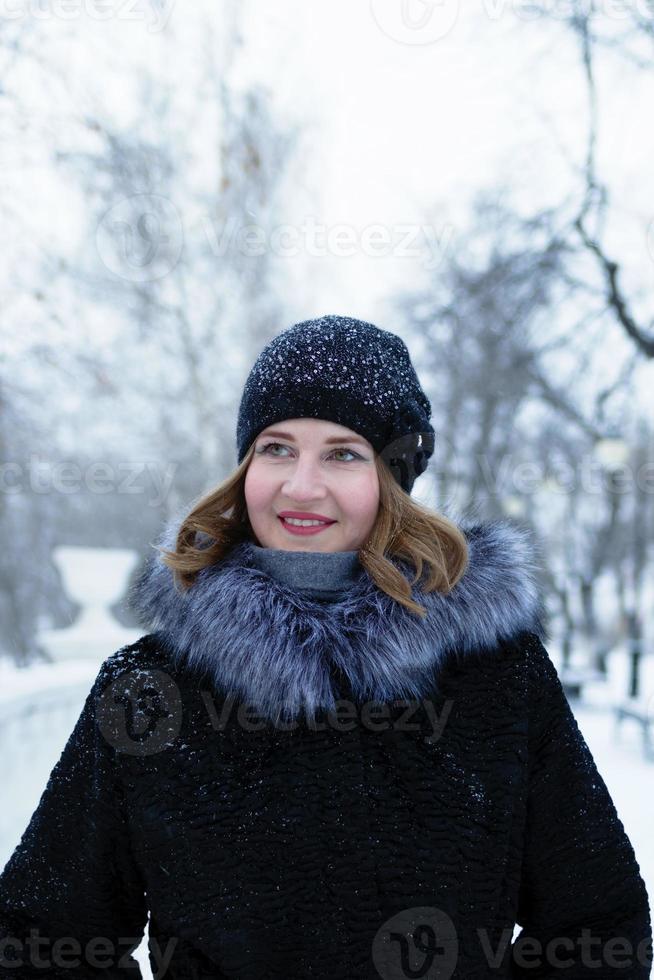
(342, 751)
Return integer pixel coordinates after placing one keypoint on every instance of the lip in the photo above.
(316, 529)
(305, 516)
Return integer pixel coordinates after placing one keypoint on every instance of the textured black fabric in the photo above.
(346, 371)
(73, 873)
(289, 854)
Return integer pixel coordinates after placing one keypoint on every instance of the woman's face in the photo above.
(312, 467)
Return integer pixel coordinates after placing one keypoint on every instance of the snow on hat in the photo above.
(345, 371)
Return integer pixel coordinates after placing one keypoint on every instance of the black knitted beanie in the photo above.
(345, 371)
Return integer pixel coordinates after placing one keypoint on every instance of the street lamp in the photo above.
(613, 454)
(514, 506)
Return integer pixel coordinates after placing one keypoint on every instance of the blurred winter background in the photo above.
(182, 181)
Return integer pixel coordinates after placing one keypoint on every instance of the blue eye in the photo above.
(269, 445)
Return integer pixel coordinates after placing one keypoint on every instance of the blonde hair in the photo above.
(403, 529)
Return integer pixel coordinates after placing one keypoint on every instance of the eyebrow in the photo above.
(328, 442)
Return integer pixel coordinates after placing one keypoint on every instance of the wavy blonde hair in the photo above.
(403, 529)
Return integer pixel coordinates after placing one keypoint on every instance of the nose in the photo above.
(305, 482)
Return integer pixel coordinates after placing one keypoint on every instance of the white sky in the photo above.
(402, 130)
(395, 135)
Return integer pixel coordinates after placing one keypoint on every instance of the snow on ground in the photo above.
(15, 681)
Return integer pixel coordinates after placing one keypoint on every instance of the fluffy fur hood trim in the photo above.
(278, 650)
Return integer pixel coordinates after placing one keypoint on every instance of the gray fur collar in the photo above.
(274, 648)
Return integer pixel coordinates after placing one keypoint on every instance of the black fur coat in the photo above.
(298, 789)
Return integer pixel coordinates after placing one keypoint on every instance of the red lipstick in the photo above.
(304, 516)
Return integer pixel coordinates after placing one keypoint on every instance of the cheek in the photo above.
(362, 497)
(257, 489)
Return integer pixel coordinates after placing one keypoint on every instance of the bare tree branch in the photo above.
(615, 297)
